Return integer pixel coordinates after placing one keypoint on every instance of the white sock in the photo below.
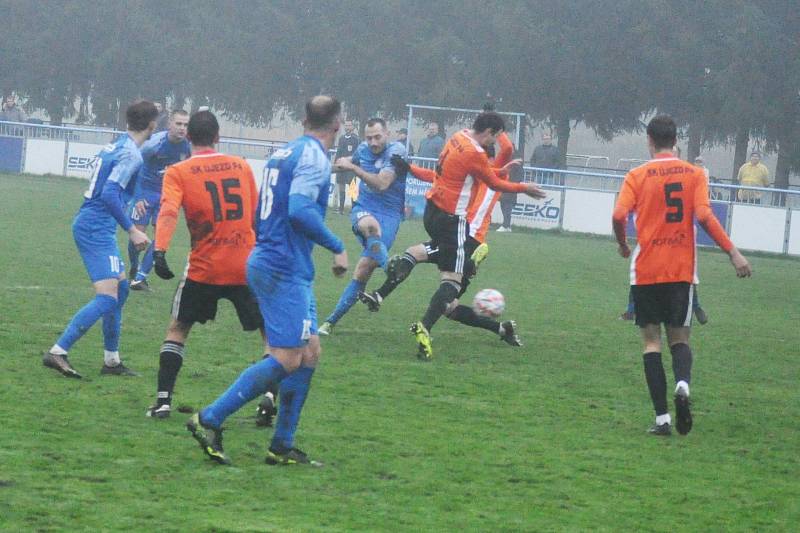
(682, 385)
(111, 358)
(663, 419)
(58, 350)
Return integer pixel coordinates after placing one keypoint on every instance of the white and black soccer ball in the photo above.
(489, 303)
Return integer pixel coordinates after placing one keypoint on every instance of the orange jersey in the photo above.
(479, 214)
(463, 165)
(218, 196)
(666, 195)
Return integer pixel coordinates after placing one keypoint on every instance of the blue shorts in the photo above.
(390, 225)
(287, 305)
(99, 251)
(153, 199)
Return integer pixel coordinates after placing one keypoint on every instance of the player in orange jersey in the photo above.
(463, 165)
(666, 195)
(218, 196)
(478, 216)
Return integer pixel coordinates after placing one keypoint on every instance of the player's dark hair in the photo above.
(321, 111)
(489, 120)
(663, 131)
(203, 128)
(140, 114)
(371, 122)
(181, 112)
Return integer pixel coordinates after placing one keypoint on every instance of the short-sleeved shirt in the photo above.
(118, 162)
(392, 200)
(301, 167)
(218, 196)
(664, 195)
(157, 154)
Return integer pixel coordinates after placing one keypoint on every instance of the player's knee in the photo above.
(105, 303)
(178, 331)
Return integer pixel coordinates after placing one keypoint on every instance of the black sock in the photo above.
(656, 381)
(170, 361)
(341, 198)
(404, 267)
(681, 362)
(446, 293)
(466, 315)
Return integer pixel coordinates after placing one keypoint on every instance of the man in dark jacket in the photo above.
(346, 147)
(548, 156)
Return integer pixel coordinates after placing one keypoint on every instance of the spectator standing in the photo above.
(402, 138)
(346, 148)
(754, 173)
(432, 145)
(547, 156)
(11, 112)
(162, 122)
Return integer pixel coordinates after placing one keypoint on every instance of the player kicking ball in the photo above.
(377, 213)
(666, 195)
(95, 232)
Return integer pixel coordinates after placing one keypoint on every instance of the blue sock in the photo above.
(147, 264)
(250, 384)
(346, 300)
(376, 250)
(133, 255)
(293, 393)
(85, 319)
(112, 322)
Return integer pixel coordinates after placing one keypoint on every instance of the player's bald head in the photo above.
(322, 112)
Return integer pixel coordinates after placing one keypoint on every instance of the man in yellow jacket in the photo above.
(754, 173)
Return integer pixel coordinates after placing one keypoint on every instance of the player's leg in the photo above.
(139, 220)
(649, 308)
(398, 268)
(284, 305)
(699, 312)
(100, 256)
(628, 314)
(293, 393)
(170, 361)
(678, 332)
(341, 187)
(368, 230)
(139, 283)
(112, 327)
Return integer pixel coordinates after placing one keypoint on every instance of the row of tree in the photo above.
(727, 70)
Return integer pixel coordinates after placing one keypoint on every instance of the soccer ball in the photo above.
(489, 303)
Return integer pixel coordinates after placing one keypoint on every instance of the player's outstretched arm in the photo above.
(380, 181)
(422, 174)
(481, 170)
(707, 220)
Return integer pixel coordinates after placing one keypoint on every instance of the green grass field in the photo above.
(551, 436)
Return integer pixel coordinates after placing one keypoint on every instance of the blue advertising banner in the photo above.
(11, 154)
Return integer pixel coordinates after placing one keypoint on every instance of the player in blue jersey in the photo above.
(378, 211)
(162, 150)
(280, 272)
(95, 233)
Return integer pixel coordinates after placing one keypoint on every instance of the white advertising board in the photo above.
(43, 156)
(794, 233)
(81, 159)
(533, 213)
(758, 228)
(588, 211)
(257, 166)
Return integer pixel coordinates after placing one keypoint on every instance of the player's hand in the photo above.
(400, 164)
(533, 190)
(160, 265)
(140, 208)
(340, 264)
(742, 266)
(344, 163)
(624, 250)
(139, 238)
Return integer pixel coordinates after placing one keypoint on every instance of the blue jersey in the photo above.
(301, 167)
(391, 201)
(117, 164)
(158, 153)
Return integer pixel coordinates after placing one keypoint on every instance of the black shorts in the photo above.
(450, 238)
(663, 303)
(197, 302)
